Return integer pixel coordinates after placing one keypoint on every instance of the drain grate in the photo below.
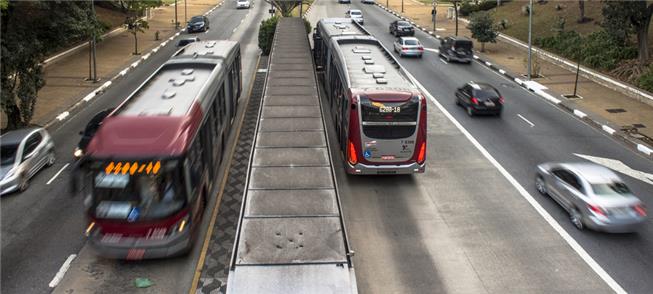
(615, 110)
(639, 126)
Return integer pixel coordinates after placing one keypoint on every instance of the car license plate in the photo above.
(489, 103)
(406, 30)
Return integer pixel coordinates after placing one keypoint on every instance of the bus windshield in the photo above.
(136, 196)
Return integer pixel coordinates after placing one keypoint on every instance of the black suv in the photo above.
(457, 49)
(198, 23)
(401, 28)
(479, 98)
(89, 131)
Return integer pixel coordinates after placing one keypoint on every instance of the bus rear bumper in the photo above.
(141, 248)
(364, 169)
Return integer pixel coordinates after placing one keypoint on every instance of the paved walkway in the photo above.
(615, 107)
(65, 78)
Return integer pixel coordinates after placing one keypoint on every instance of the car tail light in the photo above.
(421, 156)
(640, 209)
(404, 48)
(596, 209)
(474, 100)
(501, 100)
(420, 48)
(351, 154)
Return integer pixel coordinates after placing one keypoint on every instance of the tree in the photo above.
(285, 6)
(136, 25)
(30, 31)
(455, 8)
(637, 17)
(581, 8)
(482, 27)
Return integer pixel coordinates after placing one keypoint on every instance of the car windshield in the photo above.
(411, 42)
(138, 196)
(403, 23)
(486, 94)
(610, 189)
(196, 19)
(8, 154)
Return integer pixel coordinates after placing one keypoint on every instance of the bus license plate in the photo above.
(387, 157)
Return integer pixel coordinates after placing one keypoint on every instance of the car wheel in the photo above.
(540, 185)
(470, 111)
(576, 219)
(24, 183)
(51, 158)
(458, 101)
(499, 114)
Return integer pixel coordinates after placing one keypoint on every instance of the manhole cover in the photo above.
(615, 110)
(639, 126)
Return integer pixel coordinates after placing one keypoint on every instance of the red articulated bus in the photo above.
(148, 171)
(378, 112)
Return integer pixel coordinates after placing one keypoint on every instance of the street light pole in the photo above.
(92, 71)
(434, 14)
(530, 28)
(185, 11)
(402, 6)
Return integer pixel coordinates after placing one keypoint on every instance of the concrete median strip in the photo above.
(608, 130)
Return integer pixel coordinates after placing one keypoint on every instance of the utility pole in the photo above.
(176, 21)
(530, 27)
(185, 11)
(402, 6)
(434, 13)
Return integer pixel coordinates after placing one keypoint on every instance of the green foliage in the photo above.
(467, 7)
(616, 19)
(266, 34)
(646, 81)
(598, 50)
(482, 27)
(31, 30)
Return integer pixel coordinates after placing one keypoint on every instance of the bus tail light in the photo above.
(351, 154)
(421, 156)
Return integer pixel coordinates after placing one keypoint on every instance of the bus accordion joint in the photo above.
(421, 157)
(351, 154)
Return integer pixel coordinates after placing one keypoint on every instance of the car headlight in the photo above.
(78, 152)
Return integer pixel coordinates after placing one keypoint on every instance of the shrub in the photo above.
(487, 5)
(266, 34)
(646, 81)
(466, 8)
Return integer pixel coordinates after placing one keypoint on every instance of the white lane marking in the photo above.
(488, 63)
(608, 130)
(527, 121)
(146, 56)
(579, 113)
(62, 271)
(644, 149)
(89, 96)
(444, 61)
(57, 174)
(135, 64)
(123, 72)
(545, 215)
(236, 28)
(432, 50)
(63, 115)
(503, 72)
(620, 167)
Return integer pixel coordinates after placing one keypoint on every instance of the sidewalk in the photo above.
(616, 108)
(65, 84)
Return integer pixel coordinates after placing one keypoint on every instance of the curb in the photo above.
(539, 90)
(77, 107)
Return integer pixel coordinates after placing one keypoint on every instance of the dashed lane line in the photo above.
(57, 174)
(62, 271)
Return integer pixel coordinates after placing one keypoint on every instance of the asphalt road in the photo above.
(43, 226)
(389, 211)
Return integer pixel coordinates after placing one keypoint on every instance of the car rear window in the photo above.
(486, 94)
(463, 44)
(411, 42)
(608, 189)
(355, 13)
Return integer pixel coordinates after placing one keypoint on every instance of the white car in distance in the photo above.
(242, 4)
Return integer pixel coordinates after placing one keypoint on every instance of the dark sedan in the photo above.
(198, 23)
(401, 28)
(478, 98)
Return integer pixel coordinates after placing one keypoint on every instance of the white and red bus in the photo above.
(148, 171)
(378, 112)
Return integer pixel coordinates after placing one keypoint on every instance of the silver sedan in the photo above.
(593, 195)
(24, 153)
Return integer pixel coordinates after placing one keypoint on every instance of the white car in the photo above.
(356, 15)
(242, 4)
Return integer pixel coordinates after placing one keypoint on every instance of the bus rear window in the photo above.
(388, 132)
(373, 111)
